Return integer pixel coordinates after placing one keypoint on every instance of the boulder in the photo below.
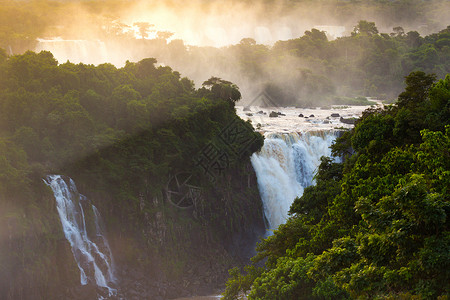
(335, 115)
(301, 115)
(273, 114)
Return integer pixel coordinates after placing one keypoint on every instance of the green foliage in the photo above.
(360, 101)
(288, 281)
(222, 89)
(123, 132)
(375, 226)
(416, 92)
(365, 28)
(13, 170)
(239, 283)
(311, 70)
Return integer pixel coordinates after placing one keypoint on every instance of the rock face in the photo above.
(45, 268)
(171, 253)
(160, 251)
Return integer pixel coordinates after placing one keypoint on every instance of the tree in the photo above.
(223, 89)
(164, 35)
(398, 31)
(145, 67)
(316, 34)
(365, 28)
(144, 28)
(215, 80)
(417, 86)
(247, 42)
(119, 29)
(413, 39)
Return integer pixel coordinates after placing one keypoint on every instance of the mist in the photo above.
(222, 23)
(205, 38)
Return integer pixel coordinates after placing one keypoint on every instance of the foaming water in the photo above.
(76, 51)
(285, 166)
(89, 246)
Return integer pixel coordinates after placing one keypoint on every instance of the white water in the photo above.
(76, 51)
(285, 166)
(94, 259)
(293, 145)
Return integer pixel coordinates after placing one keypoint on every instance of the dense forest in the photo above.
(121, 134)
(376, 225)
(312, 70)
(383, 42)
(373, 226)
(54, 115)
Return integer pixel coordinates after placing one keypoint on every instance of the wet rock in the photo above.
(249, 114)
(335, 115)
(273, 115)
(311, 116)
(88, 291)
(301, 115)
(247, 108)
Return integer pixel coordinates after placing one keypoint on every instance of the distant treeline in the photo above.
(305, 71)
(311, 70)
(21, 22)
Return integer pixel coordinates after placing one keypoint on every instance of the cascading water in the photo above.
(89, 245)
(285, 166)
(76, 51)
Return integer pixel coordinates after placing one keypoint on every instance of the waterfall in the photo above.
(285, 166)
(76, 51)
(89, 244)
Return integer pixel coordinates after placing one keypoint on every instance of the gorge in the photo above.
(284, 167)
(136, 165)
